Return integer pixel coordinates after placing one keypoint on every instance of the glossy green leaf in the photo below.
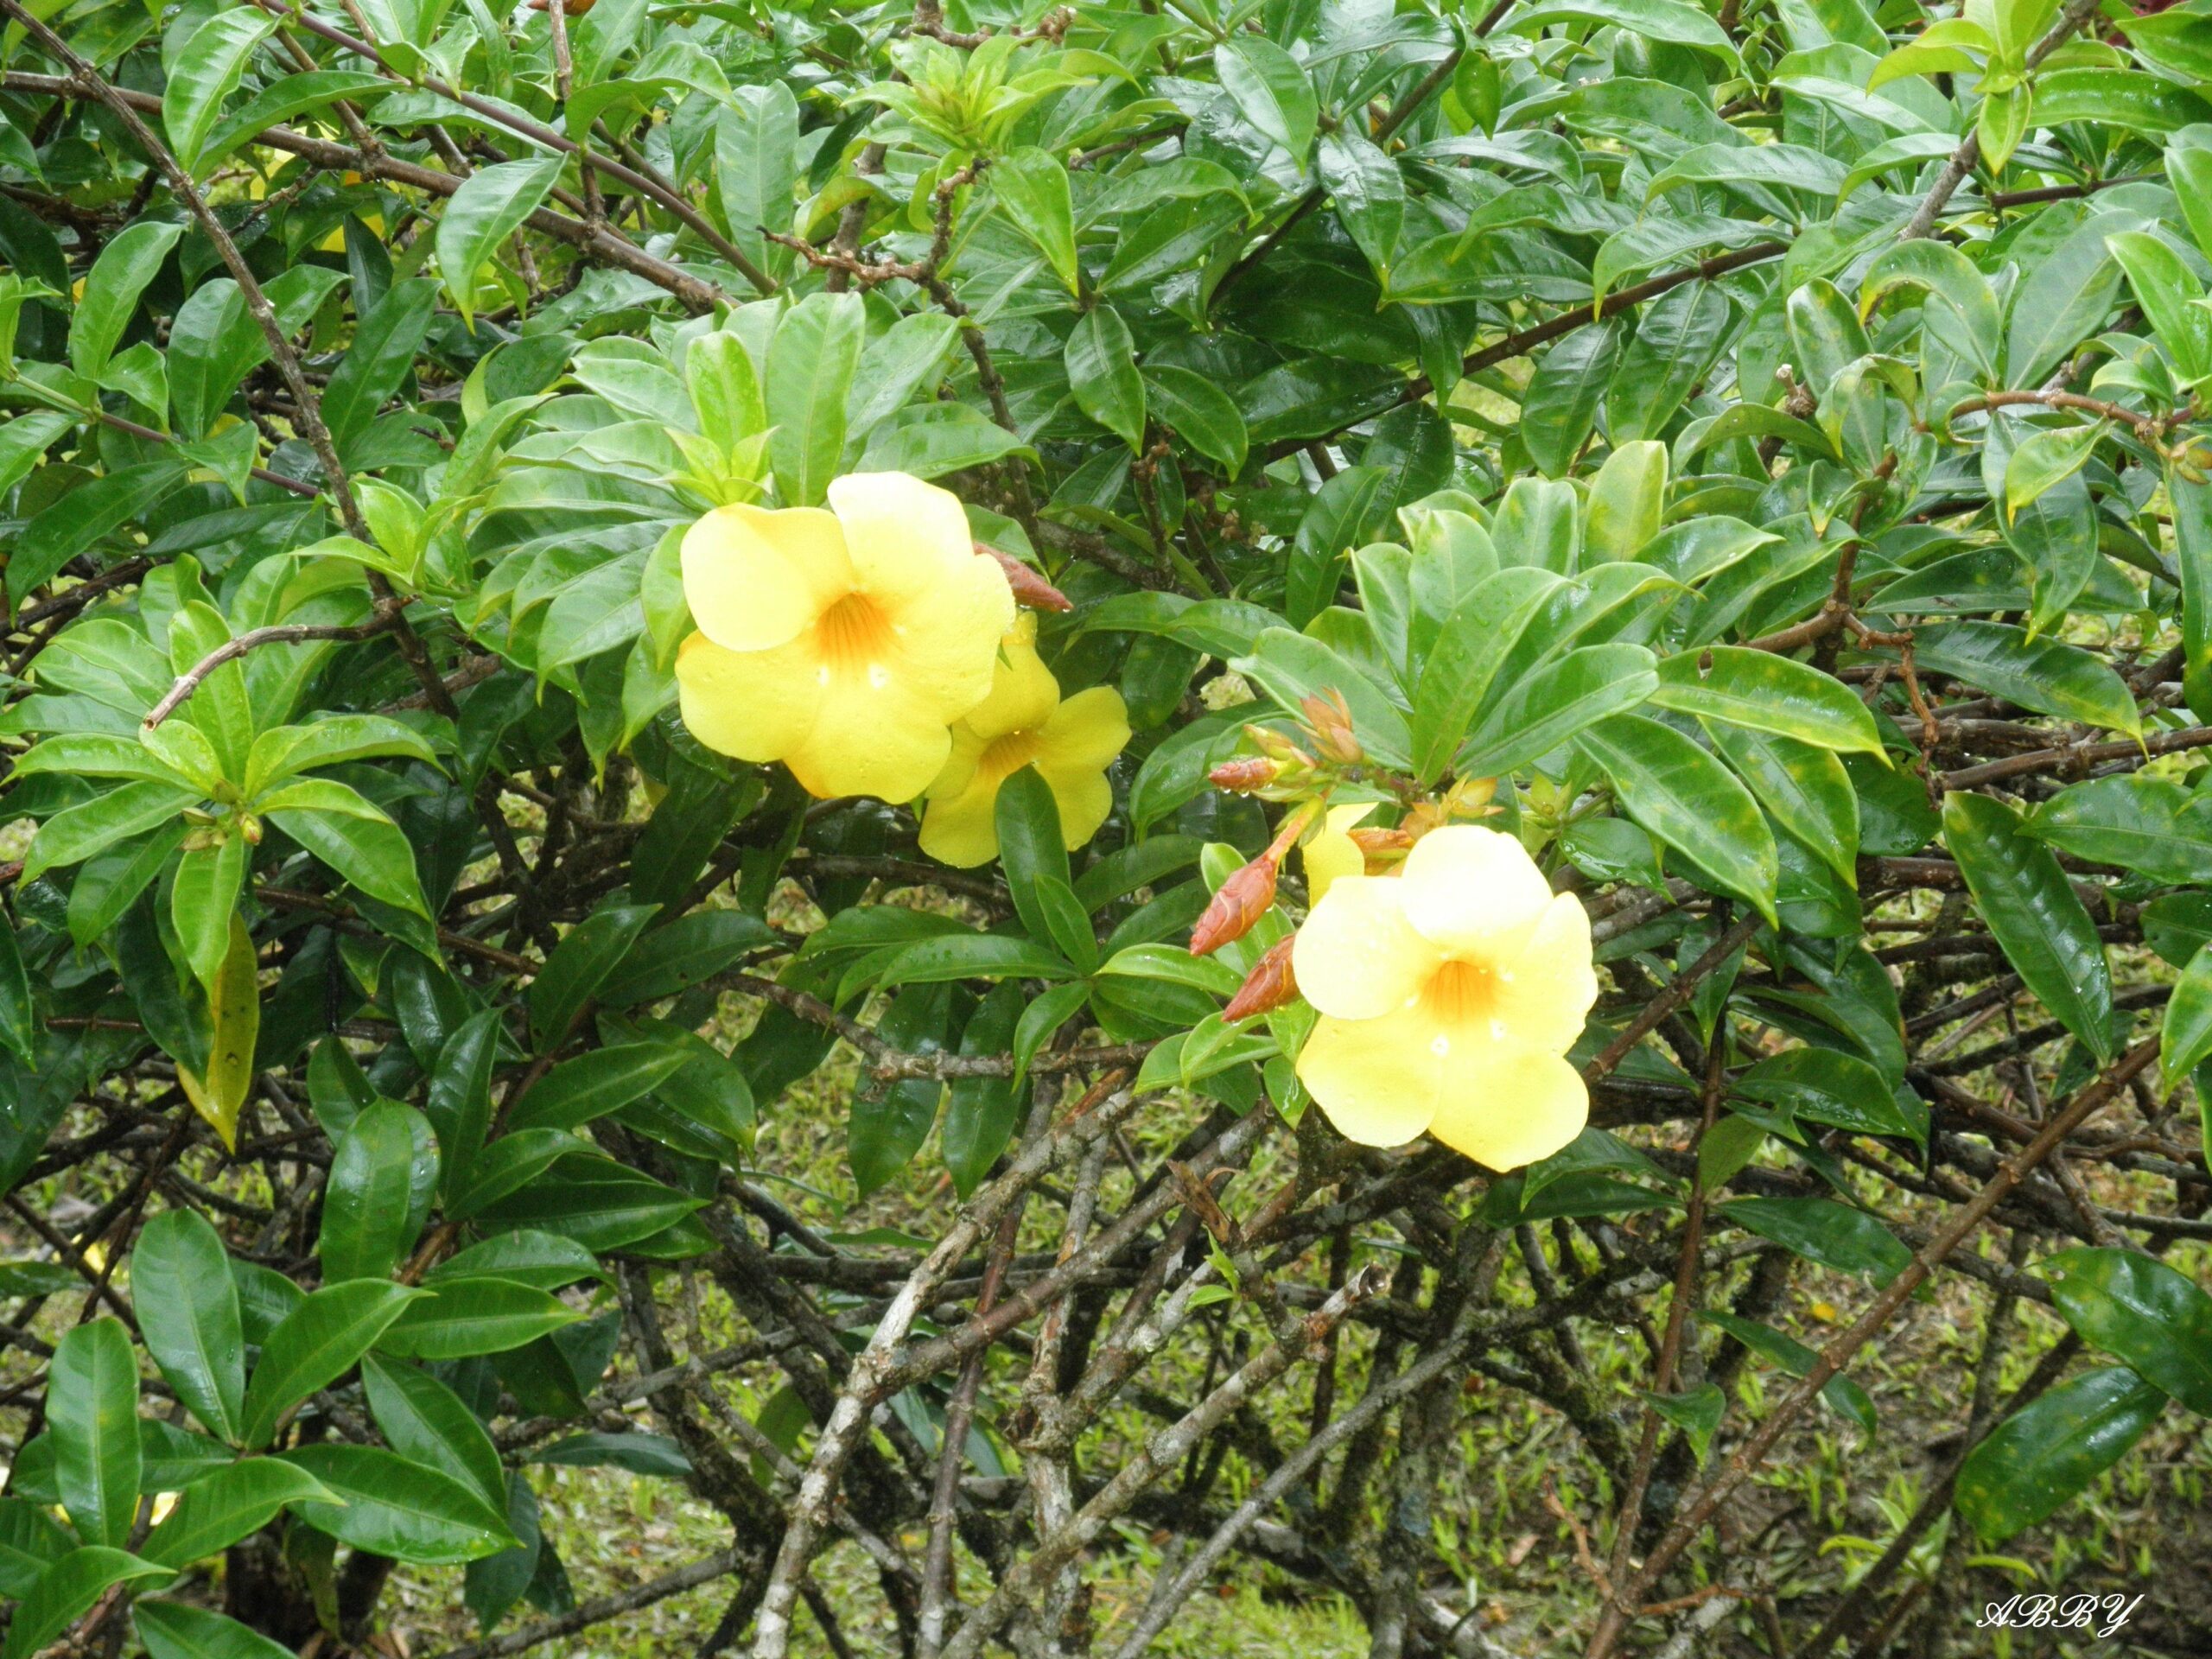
(1102, 373)
(2032, 911)
(2142, 1312)
(66, 1591)
(2037, 1460)
(1767, 693)
(1270, 90)
(215, 1512)
(489, 207)
(204, 73)
(393, 1506)
(463, 1317)
(175, 1630)
(1690, 801)
(91, 1413)
(188, 1313)
(315, 1343)
(383, 1173)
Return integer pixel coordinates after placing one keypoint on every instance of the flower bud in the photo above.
(1329, 718)
(1029, 587)
(1243, 898)
(1384, 845)
(1242, 776)
(1271, 983)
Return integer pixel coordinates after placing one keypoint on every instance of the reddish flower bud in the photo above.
(1329, 718)
(1243, 776)
(1271, 983)
(1243, 898)
(1030, 588)
(1384, 841)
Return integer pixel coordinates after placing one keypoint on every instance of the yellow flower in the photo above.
(843, 644)
(1333, 853)
(1024, 723)
(1448, 997)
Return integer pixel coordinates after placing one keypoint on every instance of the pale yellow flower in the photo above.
(1448, 997)
(843, 644)
(1024, 722)
(1333, 853)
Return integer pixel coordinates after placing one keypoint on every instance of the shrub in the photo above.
(604, 599)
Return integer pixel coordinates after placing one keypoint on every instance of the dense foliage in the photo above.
(1747, 459)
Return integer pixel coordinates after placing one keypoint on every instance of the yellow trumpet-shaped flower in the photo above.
(843, 644)
(1024, 723)
(1449, 996)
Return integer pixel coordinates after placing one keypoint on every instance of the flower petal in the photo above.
(1085, 799)
(1358, 956)
(756, 705)
(754, 578)
(1333, 853)
(1543, 996)
(1023, 692)
(1508, 1104)
(948, 639)
(1379, 1081)
(1474, 892)
(904, 537)
(960, 828)
(1086, 733)
(874, 737)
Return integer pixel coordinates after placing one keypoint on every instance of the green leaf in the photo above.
(1200, 413)
(1369, 191)
(392, 1506)
(1627, 502)
(91, 1412)
(422, 1419)
(1767, 693)
(583, 1090)
(575, 969)
(971, 955)
(1102, 373)
(1552, 705)
(1468, 649)
(174, 1629)
(31, 1540)
(489, 207)
(811, 364)
(1270, 90)
(545, 1260)
(2142, 1312)
(366, 849)
(507, 1164)
(2141, 824)
(2041, 1457)
(1559, 410)
(1690, 801)
(117, 277)
(1826, 1086)
(215, 1512)
(1841, 1393)
(203, 900)
(2042, 675)
(756, 170)
(475, 1316)
(188, 1313)
(383, 1173)
(1804, 789)
(641, 1454)
(1290, 666)
(1833, 1234)
(314, 1344)
(2185, 1038)
(18, 1013)
(2034, 915)
(331, 740)
(591, 1199)
(686, 952)
(1033, 186)
(204, 73)
(66, 1591)
(1672, 21)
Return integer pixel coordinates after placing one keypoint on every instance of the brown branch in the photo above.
(385, 620)
(1700, 1510)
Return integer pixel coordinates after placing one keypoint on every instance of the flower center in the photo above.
(1004, 756)
(851, 639)
(1459, 992)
